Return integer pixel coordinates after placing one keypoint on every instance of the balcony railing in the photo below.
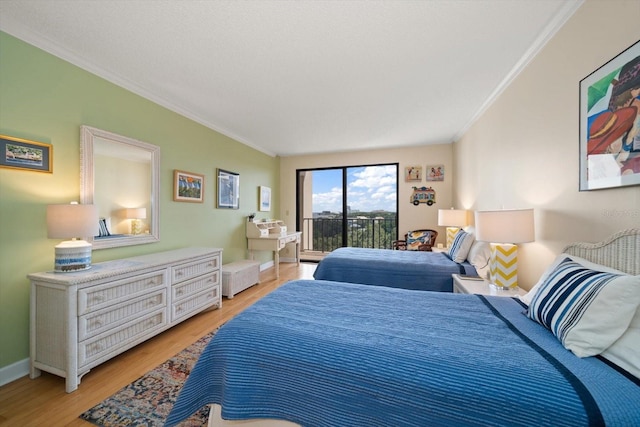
(326, 234)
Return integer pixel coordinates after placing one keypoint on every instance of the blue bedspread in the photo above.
(419, 270)
(334, 354)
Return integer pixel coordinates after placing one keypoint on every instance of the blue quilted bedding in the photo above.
(334, 354)
(419, 270)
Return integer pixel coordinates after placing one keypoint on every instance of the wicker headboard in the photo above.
(620, 251)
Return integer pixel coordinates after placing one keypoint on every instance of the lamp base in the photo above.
(451, 235)
(503, 266)
(136, 226)
(72, 255)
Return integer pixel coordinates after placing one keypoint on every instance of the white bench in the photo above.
(238, 276)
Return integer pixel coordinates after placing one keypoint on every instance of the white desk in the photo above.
(275, 242)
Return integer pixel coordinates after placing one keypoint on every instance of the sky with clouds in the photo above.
(369, 188)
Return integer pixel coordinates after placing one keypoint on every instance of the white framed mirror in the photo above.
(121, 176)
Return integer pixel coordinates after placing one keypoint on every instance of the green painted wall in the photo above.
(46, 99)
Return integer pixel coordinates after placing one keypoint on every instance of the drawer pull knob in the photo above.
(97, 298)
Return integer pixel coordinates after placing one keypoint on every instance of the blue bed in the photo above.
(321, 353)
(419, 270)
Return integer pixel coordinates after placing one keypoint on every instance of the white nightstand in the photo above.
(436, 249)
(482, 287)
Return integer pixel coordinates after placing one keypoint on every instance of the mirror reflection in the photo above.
(120, 175)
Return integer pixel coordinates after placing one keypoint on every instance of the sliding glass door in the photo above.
(354, 206)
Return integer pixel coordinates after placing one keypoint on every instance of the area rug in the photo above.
(148, 400)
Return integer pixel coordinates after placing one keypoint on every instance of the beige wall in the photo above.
(523, 152)
(409, 216)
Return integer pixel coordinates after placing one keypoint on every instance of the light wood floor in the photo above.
(43, 401)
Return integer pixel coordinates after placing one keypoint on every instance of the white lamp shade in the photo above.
(136, 213)
(452, 218)
(505, 226)
(71, 221)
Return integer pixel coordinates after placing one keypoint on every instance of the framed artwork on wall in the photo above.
(228, 190)
(18, 153)
(413, 174)
(265, 198)
(188, 187)
(435, 173)
(609, 123)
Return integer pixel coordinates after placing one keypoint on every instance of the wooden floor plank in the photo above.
(43, 401)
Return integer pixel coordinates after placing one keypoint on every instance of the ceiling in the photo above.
(302, 77)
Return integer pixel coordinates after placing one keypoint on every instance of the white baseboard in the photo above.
(14, 371)
(266, 265)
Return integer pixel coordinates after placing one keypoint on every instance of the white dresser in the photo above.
(79, 320)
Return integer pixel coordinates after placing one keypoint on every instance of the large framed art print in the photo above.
(610, 123)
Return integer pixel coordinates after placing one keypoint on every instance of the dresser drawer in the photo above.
(191, 287)
(193, 269)
(291, 238)
(100, 321)
(120, 339)
(101, 296)
(196, 303)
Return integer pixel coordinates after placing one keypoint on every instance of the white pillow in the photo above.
(460, 246)
(588, 264)
(479, 256)
(586, 309)
(625, 352)
(479, 253)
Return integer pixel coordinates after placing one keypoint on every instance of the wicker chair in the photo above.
(417, 240)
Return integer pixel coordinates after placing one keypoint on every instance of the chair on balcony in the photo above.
(416, 240)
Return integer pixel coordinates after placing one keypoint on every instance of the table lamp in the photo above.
(136, 215)
(453, 219)
(504, 229)
(72, 221)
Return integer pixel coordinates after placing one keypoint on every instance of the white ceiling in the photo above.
(302, 77)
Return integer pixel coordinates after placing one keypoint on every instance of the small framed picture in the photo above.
(18, 153)
(435, 173)
(413, 174)
(228, 190)
(265, 198)
(188, 187)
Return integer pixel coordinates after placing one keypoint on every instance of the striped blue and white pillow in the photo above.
(587, 310)
(103, 230)
(460, 247)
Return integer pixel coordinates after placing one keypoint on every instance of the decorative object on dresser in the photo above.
(271, 235)
(72, 221)
(238, 276)
(80, 320)
(453, 219)
(504, 229)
